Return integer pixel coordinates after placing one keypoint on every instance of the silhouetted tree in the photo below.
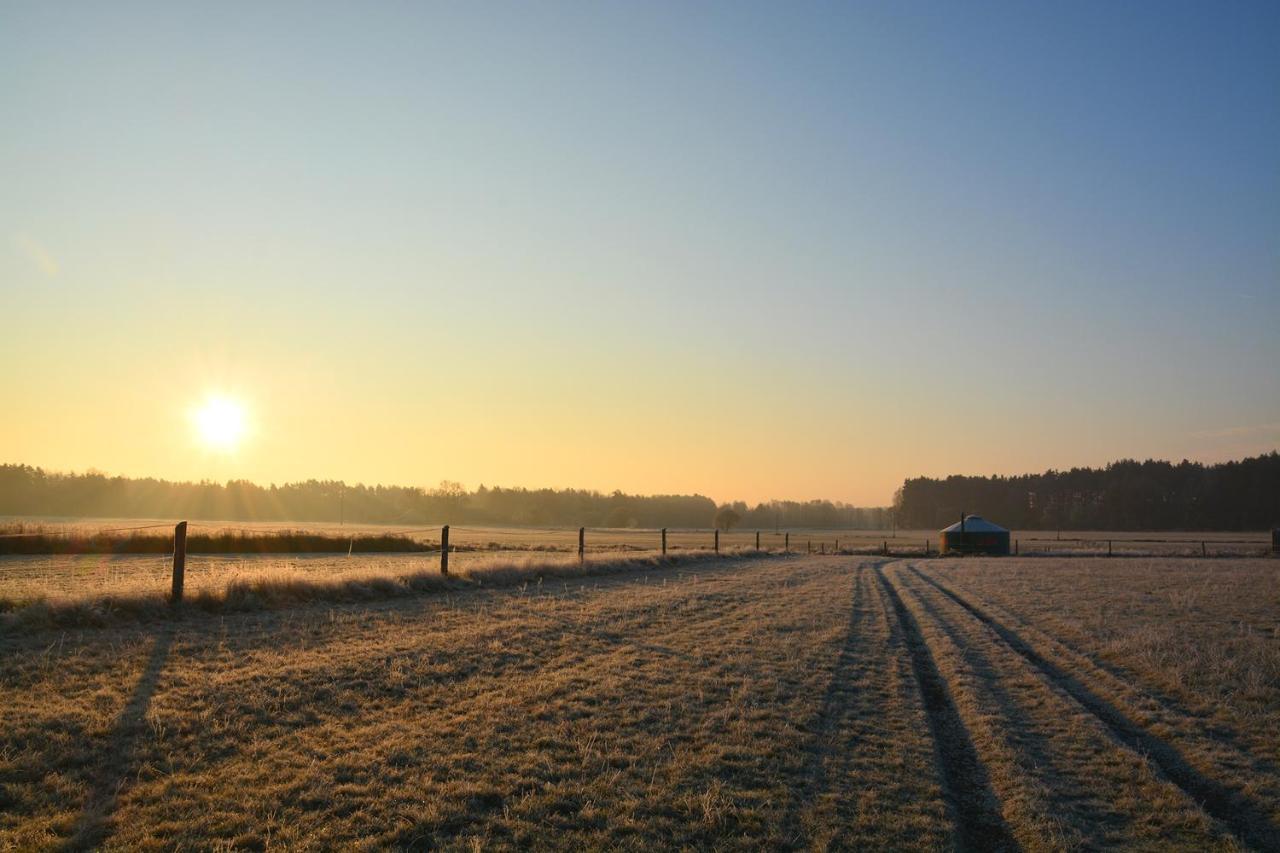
(727, 518)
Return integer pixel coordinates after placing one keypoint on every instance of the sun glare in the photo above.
(219, 422)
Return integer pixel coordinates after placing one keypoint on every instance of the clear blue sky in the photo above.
(753, 250)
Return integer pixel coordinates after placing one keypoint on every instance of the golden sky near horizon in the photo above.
(311, 414)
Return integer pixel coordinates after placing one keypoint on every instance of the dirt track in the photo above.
(804, 702)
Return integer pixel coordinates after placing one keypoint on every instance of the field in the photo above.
(1037, 542)
(786, 702)
(144, 566)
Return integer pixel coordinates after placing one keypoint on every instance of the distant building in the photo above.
(973, 534)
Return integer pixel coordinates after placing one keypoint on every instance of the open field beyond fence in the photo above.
(783, 702)
(82, 560)
(26, 536)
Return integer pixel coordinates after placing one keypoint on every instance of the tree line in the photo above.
(1125, 495)
(789, 515)
(25, 490)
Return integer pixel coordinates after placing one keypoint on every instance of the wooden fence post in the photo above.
(717, 540)
(786, 543)
(926, 547)
(1108, 547)
(886, 547)
(444, 550)
(1204, 552)
(179, 560)
(822, 547)
(582, 544)
(1015, 547)
(757, 540)
(664, 541)
(835, 549)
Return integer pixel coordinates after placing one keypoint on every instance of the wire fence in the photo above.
(101, 532)
(553, 538)
(104, 560)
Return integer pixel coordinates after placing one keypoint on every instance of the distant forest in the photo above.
(1125, 495)
(25, 490)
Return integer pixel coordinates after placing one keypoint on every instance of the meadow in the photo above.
(85, 560)
(795, 702)
(1130, 542)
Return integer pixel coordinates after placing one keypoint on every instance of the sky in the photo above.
(754, 251)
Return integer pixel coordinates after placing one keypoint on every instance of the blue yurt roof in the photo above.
(975, 524)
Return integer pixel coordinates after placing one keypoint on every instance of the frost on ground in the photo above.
(804, 702)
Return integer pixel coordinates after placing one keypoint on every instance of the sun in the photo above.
(219, 422)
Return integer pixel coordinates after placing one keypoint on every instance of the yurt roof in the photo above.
(975, 524)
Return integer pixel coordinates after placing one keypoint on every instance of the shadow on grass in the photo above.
(971, 798)
(836, 704)
(95, 823)
(1248, 820)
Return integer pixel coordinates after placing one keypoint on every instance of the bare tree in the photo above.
(726, 518)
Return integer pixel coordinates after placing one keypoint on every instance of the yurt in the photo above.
(973, 534)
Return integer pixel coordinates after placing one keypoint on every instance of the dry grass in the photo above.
(691, 708)
(1061, 777)
(1204, 632)
(128, 578)
(256, 584)
(483, 537)
(1178, 659)
(837, 702)
(222, 542)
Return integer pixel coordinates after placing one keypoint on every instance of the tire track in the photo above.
(1024, 754)
(813, 775)
(1064, 779)
(1240, 815)
(971, 800)
(870, 768)
(1118, 678)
